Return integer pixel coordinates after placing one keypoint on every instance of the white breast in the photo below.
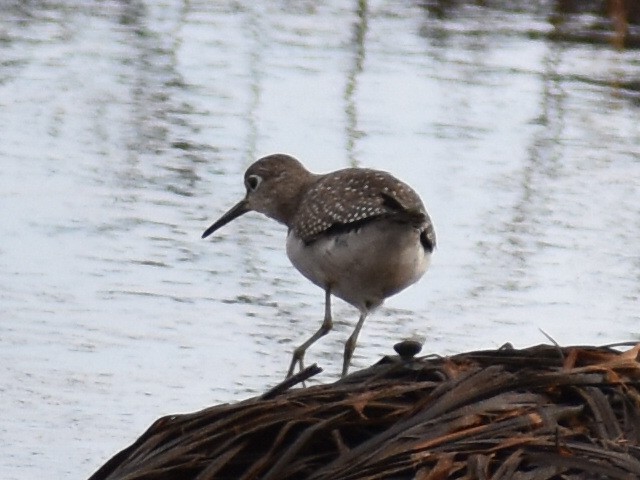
(364, 266)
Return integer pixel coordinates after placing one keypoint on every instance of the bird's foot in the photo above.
(297, 359)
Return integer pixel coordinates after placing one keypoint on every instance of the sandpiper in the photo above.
(359, 234)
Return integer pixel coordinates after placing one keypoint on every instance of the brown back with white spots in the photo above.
(352, 195)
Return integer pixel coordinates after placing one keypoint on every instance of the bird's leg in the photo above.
(327, 325)
(350, 345)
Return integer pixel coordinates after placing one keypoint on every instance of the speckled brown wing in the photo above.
(354, 195)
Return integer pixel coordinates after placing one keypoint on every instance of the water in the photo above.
(125, 128)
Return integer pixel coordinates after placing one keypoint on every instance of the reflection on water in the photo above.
(352, 131)
(125, 127)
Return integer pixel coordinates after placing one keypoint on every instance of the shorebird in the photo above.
(359, 234)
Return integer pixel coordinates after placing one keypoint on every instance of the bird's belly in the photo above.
(364, 266)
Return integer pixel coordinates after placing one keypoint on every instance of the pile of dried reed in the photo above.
(540, 413)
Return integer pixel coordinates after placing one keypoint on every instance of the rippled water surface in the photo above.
(125, 128)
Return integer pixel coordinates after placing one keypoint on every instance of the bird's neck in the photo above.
(289, 198)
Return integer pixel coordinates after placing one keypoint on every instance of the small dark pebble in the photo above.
(407, 349)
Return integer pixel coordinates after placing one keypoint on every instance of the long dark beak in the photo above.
(237, 210)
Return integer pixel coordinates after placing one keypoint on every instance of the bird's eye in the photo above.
(252, 182)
